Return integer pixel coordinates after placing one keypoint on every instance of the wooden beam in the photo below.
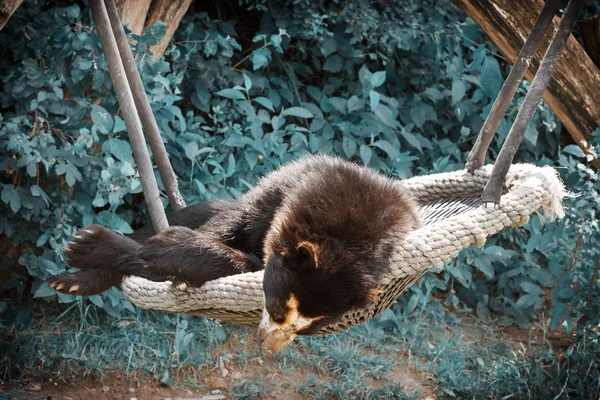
(574, 91)
(590, 32)
(7, 8)
(170, 12)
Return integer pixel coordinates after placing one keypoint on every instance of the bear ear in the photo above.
(305, 257)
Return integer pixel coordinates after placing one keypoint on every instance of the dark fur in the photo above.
(323, 227)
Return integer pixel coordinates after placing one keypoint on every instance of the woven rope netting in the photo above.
(453, 220)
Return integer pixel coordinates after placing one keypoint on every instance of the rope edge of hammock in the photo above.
(530, 188)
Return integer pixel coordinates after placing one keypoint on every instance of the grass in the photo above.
(397, 356)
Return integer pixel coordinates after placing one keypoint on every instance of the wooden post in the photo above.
(7, 8)
(142, 104)
(590, 32)
(476, 157)
(129, 114)
(573, 93)
(493, 189)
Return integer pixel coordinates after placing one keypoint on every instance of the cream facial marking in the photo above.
(294, 320)
(275, 336)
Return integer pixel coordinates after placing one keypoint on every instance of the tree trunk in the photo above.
(137, 15)
(170, 12)
(133, 14)
(7, 8)
(590, 32)
(574, 91)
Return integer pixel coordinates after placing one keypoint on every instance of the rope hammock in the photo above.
(450, 225)
(459, 209)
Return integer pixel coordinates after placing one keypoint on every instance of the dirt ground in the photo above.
(219, 387)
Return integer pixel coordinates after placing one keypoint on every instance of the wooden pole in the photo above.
(590, 33)
(476, 157)
(142, 104)
(7, 8)
(493, 189)
(573, 93)
(130, 116)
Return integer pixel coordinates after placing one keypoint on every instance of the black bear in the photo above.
(324, 229)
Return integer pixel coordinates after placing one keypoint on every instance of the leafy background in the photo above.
(401, 86)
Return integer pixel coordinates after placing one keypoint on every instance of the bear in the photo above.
(322, 228)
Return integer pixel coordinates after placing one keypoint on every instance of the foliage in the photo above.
(398, 356)
(402, 87)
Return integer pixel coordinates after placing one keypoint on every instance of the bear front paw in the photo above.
(171, 253)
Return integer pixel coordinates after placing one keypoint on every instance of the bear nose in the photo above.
(273, 338)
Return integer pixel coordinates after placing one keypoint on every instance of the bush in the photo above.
(400, 86)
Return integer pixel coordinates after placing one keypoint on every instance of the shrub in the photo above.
(402, 87)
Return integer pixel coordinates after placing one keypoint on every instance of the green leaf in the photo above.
(11, 196)
(97, 300)
(412, 303)
(120, 149)
(574, 150)
(365, 154)
(114, 222)
(422, 113)
(491, 77)
(386, 146)
(233, 94)
(155, 32)
(44, 291)
(412, 139)
(70, 172)
(42, 240)
(191, 150)
(386, 116)
(50, 266)
(102, 119)
(119, 125)
(378, 79)
(230, 166)
(263, 101)
(247, 82)
(458, 91)
(260, 58)
(349, 146)
(527, 301)
(39, 192)
(297, 112)
(333, 63)
(531, 288)
(329, 46)
(373, 100)
(486, 269)
(354, 103)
